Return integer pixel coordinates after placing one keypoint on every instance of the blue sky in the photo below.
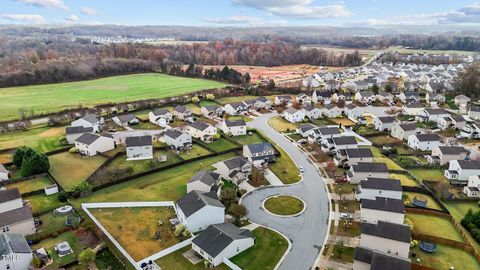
(241, 12)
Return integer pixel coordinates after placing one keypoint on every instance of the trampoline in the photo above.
(420, 201)
(428, 246)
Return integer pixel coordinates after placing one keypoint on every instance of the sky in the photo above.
(242, 13)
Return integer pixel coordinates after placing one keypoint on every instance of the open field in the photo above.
(444, 258)
(365, 53)
(39, 98)
(70, 169)
(405, 180)
(41, 203)
(420, 51)
(429, 174)
(383, 140)
(135, 228)
(436, 226)
(222, 144)
(431, 203)
(31, 185)
(42, 138)
(281, 125)
(284, 205)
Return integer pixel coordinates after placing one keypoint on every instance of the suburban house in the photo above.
(353, 111)
(235, 108)
(259, 153)
(324, 97)
(413, 108)
(384, 123)
(403, 131)
(454, 121)
(364, 170)
(382, 209)
(4, 173)
(424, 142)
(328, 132)
(348, 157)
(365, 97)
(366, 259)
(312, 112)
(15, 247)
(204, 181)
(409, 97)
(211, 111)
(474, 112)
(306, 129)
(379, 187)
(14, 217)
(221, 242)
(139, 147)
(386, 237)
(432, 115)
(72, 133)
(90, 144)
(263, 103)
(233, 127)
(461, 99)
(160, 117)
(472, 189)
(89, 120)
(385, 98)
(459, 171)
(345, 97)
(331, 110)
(197, 210)
(441, 155)
(177, 139)
(303, 99)
(435, 97)
(249, 104)
(339, 143)
(235, 169)
(181, 112)
(283, 100)
(125, 120)
(202, 131)
(293, 115)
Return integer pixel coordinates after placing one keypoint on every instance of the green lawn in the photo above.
(240, 117)
(176, 261)
(222, 144)
(51, 223)
(268, 249)
(404, 179)
(249, 139)
(204, 103)
(284, 205)
(281, 125)
(431, 203)
(139, 166)
(285, 169)
(195, 151)
(31, 185)
(344, 188)
(49, 244)
(146, 126)
(383, 140)
(70, 169)
(444, 258)
(429, 174)
(41, 138)
(436, 226)
(458, 210)
(379, 157)
(350, 230)
(343, 253)
(349, 206)
(93, 92)
(41, 203)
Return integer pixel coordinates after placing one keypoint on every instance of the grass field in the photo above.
(281, 125)
(195, 151)
(49, 244)
(345, 122)
(379, 157)
(54, 97)
(41, 203)
(135, 228)
(431, 203)
(458, 210)
(436, 226)
(41, 138)
(284, 205)
(429, 174)
(285, 169)
(70, 169)
(139, 166)
(222, 144)
(31, 185)
(176, 261)
(249, 139)
(226, 100)
(51, 223)
(404, 179)
(383, 140)
(444, 258)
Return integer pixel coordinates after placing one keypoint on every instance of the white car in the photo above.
(301, 169)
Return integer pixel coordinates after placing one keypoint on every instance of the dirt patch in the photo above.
(88, 238)
(53, 132)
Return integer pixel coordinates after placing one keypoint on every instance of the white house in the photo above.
(424, 142)
(233, 127)
(202, 131)
(90, 144)
(89, 120)
(235, 169)
(331, 111)
(259, 153)
(328, 132)
(293, 115)
(204, 181)
(4, 173)
(235, 108)
(324, 97)
(365, 97)
(441, 155)
(474, 112)
(366, 259)
(14, 217)
(16, 252)
(382, 209)
(385, 98)
(353, 156)
(222, 241)
(72, 133)
(379, 187)
(461, 99)
(386, 237)
(263, 103)
(284, 100)
(198, 210)
(353, 111)
(211, 111)
(312, 112)
(413, 108)
(409, 97)
(125, 120)
(182, 113)
(384, 123)
(306, 129)
(303, 99)
(10, 199)
(472, 189)
(139, 147)
(177, 139)
(432, 115)
(454, 121)
(160, 117)
(435, 97)
(364, 170)
(459, 171)
(403, 131)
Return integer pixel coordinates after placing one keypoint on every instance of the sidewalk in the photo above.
(272, 178)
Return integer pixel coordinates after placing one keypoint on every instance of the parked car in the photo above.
(301, 169)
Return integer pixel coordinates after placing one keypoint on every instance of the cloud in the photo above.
(88, 11)
(244, 20)
(46, 3)
(25, 18)
(72, 18)
(296, 9)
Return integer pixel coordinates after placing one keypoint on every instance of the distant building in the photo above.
(293, 115)
(89, 120)
(202, 131)
(384, 123)
(403, 131)
(259, 153)
(441, 155)
(72, 133)
(125, 120)
(160, 117)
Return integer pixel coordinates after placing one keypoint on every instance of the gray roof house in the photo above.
(384, 209)
(125, 120)
(370, 259)
(15, 246)
(235, 169)
(139, 147)
(197, 210)
(204, 181)
(259, 152)
(386, 237)
(363, 170)
(177, 139)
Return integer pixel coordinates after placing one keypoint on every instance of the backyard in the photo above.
(281, 125)
(38, 98)
(379, 157)
(345, 122)
(405, 180)
(136, 228)
(249, 139)
(51, 223)
(41, 138)
(445, 257)
(222, 144)
(384, 140)
(431, 203)
(70, 169)
(226, 100)
(435, 226)
(32, 184)
(195, 151)
(436, 175)
(42, 203)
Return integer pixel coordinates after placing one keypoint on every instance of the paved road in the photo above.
(308, 231)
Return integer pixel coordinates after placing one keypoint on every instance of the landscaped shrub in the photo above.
(471, 222)
(30, 161)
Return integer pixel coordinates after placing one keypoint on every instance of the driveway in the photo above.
(307, 232)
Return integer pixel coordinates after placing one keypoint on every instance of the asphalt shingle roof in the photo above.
(199, 125)
(384, 204)
(260, 147)
(381, 183)
(388, 230)
(235, 123)
(469, 164)
(173, 133)
(87, 138)
(138, 141)
(9, 194)
(428, 137)
(236, 162)
(78, 129)
(452, 150)
(206, 176)
(358, 152)
(196, 200)
(345, 140)
(15, 215)
(380, 261)
(370, 167)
